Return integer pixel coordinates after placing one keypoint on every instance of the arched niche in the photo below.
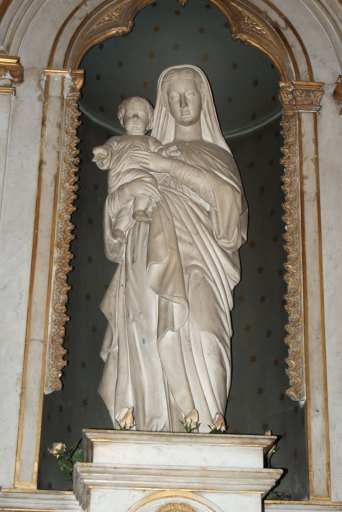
(78, 26)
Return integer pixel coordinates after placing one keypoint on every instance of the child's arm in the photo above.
(103, 154)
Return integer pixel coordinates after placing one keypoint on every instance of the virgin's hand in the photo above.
(151, 161)
(137, 188)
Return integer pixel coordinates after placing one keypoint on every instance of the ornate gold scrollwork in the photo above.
(64, 235)
(11, 72)
(108, 19)
(301, 96)
(248, 26)
(251, 25)
(176, 507)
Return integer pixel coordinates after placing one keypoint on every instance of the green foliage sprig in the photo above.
(67, 457)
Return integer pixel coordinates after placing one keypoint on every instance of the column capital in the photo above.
(300, 96)
(11, 73)
(74, 80)
(338, 90)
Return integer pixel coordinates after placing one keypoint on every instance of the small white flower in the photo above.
(219, 423)
(125, 418)
(190, 422)
(57, 449)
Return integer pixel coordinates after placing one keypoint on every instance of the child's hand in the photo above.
(172, 151)
(100, 153)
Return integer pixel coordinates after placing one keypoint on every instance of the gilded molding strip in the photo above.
(296, 97)
(64, 235)
(11, 73)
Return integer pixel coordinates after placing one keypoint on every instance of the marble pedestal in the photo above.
(163, 472)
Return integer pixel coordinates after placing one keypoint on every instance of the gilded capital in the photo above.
(11, 73)
(301, 96)
(76, 83)
(338, 90)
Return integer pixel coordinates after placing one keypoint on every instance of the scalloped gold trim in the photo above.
(293, 268)
(64, 235)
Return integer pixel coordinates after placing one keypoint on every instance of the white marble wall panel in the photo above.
(319, 26)
(16, 234)
(37, 326)
(5, 110)
(314, 321)
(330, 137)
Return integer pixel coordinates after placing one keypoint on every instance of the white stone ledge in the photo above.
(173, 477)
(171, 449)
(58, 501)
(38, 500)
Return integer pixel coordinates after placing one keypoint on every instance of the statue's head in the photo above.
(175, 84)
(136, 115)
(182, 92)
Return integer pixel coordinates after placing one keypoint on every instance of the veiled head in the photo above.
(182, 92)
(184, 97)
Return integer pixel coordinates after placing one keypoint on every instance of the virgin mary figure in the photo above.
(167, 345)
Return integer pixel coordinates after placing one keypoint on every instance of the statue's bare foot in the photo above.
(119, 236)
(141, 216)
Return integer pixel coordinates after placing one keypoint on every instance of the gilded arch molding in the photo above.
(249, 25)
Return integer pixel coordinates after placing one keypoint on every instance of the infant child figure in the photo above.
(136, 117)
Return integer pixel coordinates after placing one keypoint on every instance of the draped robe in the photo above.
(167, 344)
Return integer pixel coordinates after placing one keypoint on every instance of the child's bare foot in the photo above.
(141, 216)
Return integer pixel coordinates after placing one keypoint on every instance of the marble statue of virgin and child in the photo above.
(174, 220)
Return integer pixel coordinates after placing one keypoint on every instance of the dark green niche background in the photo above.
(257, 400)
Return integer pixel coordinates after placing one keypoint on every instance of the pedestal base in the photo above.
(162, 472)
